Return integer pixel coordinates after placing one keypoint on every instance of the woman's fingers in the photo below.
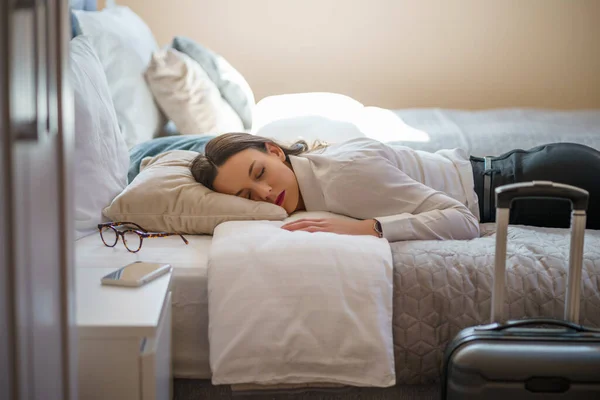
(311, 229)
(332, 225)
(302, 223)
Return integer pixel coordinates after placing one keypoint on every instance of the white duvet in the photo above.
(297, 307)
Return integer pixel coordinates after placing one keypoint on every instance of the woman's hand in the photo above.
(333, 225)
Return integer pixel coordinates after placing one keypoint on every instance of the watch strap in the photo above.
(377, 228)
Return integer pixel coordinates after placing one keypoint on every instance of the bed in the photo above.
(439, 288)
(433, 280)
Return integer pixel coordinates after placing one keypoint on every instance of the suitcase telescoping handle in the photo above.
(540, 189)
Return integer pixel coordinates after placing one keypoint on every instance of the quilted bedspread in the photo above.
(443, 287)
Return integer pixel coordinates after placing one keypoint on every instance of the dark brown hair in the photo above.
(220, 149)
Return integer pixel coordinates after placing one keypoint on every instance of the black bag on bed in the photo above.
(516, 360)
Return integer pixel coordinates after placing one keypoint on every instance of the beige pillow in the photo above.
(165, 197)
(187, 95)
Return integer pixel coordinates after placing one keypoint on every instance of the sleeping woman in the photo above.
(392, 191)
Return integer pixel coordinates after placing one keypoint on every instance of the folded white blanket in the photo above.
(297, 307)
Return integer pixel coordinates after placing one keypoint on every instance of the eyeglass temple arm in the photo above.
(184, 239)
(163, 234)
(129, 223)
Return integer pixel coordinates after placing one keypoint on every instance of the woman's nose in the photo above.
(262, 192)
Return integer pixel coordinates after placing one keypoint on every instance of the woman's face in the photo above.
(260, 176)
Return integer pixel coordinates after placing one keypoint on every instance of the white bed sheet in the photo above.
(189, 287)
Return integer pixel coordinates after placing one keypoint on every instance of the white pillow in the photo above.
(329, 105)
(311, 128)
(322, 116)
(101, 156)
(124, 45)
(188, 96)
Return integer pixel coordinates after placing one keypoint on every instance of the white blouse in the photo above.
(415, 195)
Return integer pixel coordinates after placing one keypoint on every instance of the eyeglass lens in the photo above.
(132, 240)
(109, 236)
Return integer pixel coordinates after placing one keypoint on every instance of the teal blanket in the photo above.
(157, 146)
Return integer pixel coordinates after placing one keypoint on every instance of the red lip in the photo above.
(279, 199)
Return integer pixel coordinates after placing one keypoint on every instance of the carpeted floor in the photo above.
(192, 389)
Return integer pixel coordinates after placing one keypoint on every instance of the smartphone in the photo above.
(136, 274)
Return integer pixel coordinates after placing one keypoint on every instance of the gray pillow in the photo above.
(232, 85)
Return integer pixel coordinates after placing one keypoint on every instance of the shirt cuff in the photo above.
(395, 227)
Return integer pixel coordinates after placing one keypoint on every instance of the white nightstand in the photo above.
(124, 338)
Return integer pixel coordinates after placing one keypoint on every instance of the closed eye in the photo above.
(248, 195)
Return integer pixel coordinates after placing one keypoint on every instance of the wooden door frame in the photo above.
(9, 388)
(66, 131)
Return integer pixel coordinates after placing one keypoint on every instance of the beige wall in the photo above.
(401, 53)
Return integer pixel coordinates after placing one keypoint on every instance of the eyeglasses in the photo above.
(132, 238)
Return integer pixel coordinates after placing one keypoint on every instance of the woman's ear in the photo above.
(273, 149)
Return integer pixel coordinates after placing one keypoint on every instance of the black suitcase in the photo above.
(517, 360)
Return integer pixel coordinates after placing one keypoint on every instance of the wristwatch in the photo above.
(377, 228)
